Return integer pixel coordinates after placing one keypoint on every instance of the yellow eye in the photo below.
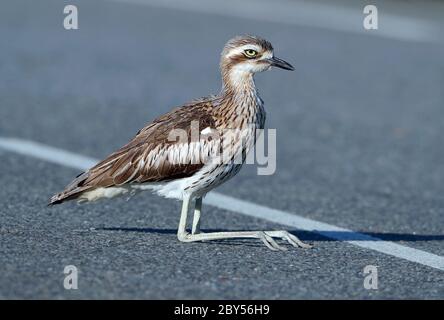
(250, 53)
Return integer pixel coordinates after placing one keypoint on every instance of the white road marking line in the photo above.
(76, 161)
(311, 14)
(47, 153)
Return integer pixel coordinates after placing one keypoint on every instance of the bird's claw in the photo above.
(284, 235)
(270, 242)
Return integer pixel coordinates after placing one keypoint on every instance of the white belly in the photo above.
(197, 185)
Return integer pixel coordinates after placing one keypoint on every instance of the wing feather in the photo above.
(150, 156)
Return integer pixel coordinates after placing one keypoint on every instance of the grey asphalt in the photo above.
(359, 130)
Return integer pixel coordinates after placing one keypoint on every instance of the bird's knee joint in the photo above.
(183, 237)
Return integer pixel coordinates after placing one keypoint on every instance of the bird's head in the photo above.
(245, 55)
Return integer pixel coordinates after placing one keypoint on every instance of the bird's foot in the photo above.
(265, 236)
(292, 239)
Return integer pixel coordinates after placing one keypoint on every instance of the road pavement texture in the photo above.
(359, 145)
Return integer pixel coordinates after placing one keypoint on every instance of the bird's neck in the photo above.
(237, 83)
(240, 101)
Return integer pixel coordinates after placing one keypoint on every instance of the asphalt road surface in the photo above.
(359, 131)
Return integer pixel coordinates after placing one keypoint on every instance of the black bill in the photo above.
(276, 62)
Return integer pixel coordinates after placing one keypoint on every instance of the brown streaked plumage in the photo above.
(169, 158)
(123, 166)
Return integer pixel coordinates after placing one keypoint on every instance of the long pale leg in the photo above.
(265, 236)
(181, 231)
(196, 218)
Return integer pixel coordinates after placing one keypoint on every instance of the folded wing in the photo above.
(153, 155)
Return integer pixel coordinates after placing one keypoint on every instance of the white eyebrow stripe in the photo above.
(266, 55)
(236, 51)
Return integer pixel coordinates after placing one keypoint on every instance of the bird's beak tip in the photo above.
(276, 62)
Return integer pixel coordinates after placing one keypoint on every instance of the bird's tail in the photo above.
(72, 191)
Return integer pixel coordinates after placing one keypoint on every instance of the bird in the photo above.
(194, 148)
